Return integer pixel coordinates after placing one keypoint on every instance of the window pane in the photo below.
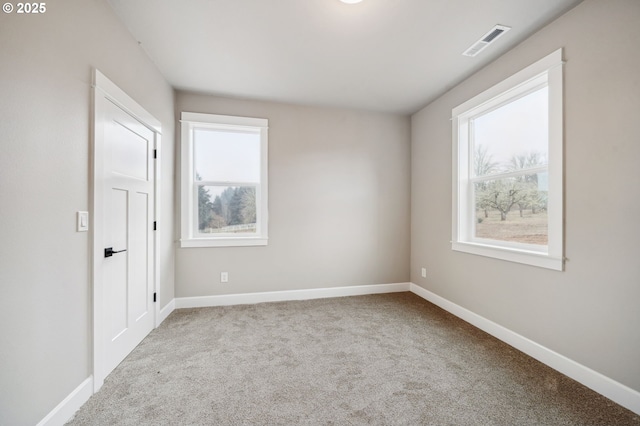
(226, 209)
(512, 209)
(512, 137)
(226, 156)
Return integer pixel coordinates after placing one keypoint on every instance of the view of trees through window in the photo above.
(512, 208)
(510, 176)
(227, 164)
(226, 209)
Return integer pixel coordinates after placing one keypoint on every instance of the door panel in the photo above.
(129, 151)
(116, 268)
(124, 209)
(128, 226)
(140, 273)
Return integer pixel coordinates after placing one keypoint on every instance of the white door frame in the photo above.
(103, 89)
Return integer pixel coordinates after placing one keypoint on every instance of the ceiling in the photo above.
(381, 55)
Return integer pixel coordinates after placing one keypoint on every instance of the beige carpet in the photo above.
(389, 359)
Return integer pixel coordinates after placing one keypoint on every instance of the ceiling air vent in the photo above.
(486, 40)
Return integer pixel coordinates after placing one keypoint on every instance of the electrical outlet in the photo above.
(224, 277)
(424, 272)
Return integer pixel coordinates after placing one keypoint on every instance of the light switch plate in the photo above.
(82, 221)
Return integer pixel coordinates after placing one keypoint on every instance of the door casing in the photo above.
(105, 90)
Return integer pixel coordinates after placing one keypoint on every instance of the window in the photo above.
(224, 180)
(507, 162)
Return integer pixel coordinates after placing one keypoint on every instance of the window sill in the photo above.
(223, 242)
(540, 260)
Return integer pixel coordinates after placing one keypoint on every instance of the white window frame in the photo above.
(546, 71)
(189, 237)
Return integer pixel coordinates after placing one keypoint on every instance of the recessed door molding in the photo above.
(104, 93)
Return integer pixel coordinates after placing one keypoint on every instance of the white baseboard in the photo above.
(279, 296)
(615, 391)
(165, 312)
(68, 407)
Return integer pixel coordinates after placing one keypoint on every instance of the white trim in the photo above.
(231, 120)
(544, 72)
(65, 411)
(615, 391)
(97, 206)
(280, 296)
(550, 61)
(165, 312)
(188, 188)
(124, 101)
(157, 161)
(532, 258)
(226, 242)
(105, 91)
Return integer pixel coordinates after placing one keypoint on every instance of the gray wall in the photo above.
(45, 86)
(338, 203)
(339, 198)
(588, 313)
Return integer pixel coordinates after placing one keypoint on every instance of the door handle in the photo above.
(108, 252)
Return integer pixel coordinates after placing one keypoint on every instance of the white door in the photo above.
(127, 216)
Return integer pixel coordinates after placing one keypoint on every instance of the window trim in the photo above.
(550, 66)
(189, 238)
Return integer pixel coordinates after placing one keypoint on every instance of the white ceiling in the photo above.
(384, 55)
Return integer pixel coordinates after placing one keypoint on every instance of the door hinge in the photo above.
(154, 297)
(155, 153)
(155, 225)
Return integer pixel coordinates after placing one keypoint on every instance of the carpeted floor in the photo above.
(390, 359)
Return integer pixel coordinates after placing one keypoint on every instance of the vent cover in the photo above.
(493, 34)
